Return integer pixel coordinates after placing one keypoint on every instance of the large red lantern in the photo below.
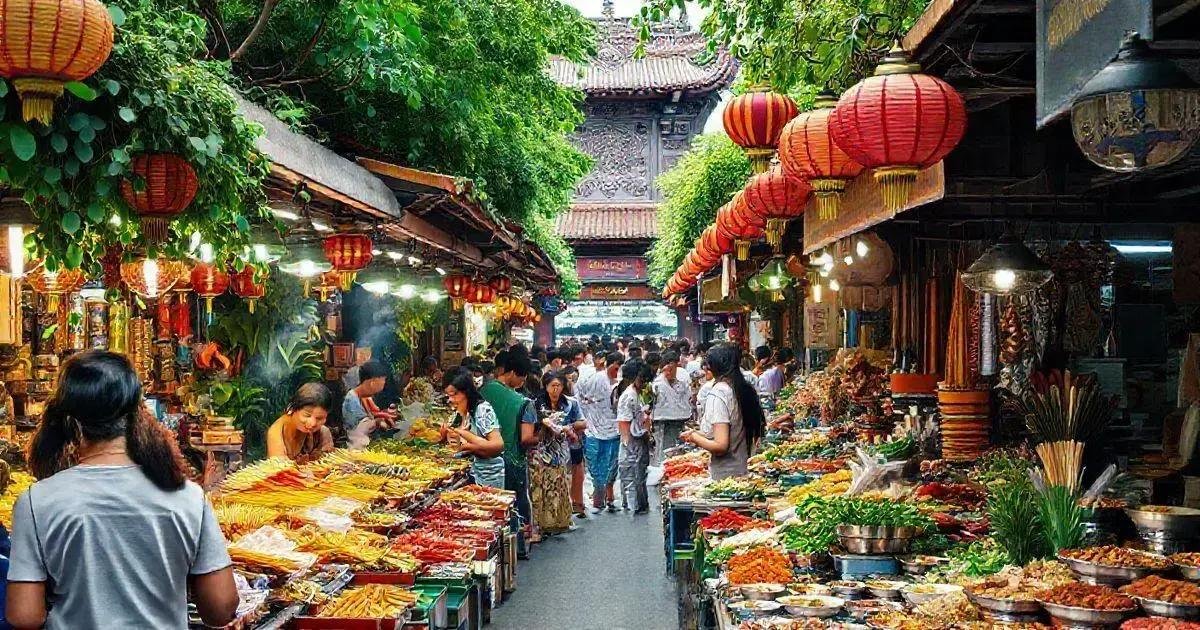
(480, 293)
(348, 252)
(46, 43)
(705, 253)
(778, 198)
(209, 281)
(898, 122)
(735, 222)
(753, 121)
(170, 184)
(249, 284)
(456, 286)
(806, 150)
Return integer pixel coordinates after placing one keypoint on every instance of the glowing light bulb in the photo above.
(16, 251)
(432, 296)
(307, 269)
(206, 253)
(406, 291)
(849, 260)
(824, 273)
(817, 293)
(195, 241)
(150, 275)
(1004, 279)
(834, 285)
(440, 271)
(861, 248)
(378, 287)
(115, 220)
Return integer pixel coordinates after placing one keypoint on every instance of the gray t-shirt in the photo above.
(721, 407)
(118, 549)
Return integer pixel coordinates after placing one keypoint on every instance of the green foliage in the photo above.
(155, 93)
(789, 43)
(1061, 517)
(703, 180)
(540, 230)
(457, 86)
(1012, 510)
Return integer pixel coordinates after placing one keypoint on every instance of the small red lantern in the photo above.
(54, 284)
(170, 185)
(209, 281)
(348, 252)
(898, 122)
(754, 119)
(806, 150)
(501, 284)
(705, 253)
(480, 293)
(778, 198)
(249, 285)
(456, 286)
(735, 222)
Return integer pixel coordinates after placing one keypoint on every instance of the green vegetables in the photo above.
(719, 556)
(1001, 467)
(815, 529)
(883, 513)
(736, 489)
(1061, 517)
(982, 557)
(1016, 521)
(893, 450)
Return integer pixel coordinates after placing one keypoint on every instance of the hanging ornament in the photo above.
(898, 122)
(45, 44)
(168, 183)
(737, 223)
(348, 252)
(778, 198)
(806, 150)
(249, 284)
(480, 293)
(209, 281)
(149, 278)
(456, 286)
(55, 284)
(501, 284)
(327, 283)
(753, 121)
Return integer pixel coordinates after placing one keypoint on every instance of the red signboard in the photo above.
(617, 292)
(614, 268)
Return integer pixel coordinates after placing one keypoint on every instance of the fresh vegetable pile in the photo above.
(759, 565)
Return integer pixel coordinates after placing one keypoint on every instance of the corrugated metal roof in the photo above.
(676, 59)
(600, 222)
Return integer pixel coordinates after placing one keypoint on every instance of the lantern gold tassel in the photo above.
(760, 160)
(37, 98)
(743, 249)
(829, 196)
(775, 228)
(896, 183)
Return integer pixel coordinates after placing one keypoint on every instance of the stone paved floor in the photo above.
(607, 575)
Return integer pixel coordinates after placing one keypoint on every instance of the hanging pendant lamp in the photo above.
(1007, 268)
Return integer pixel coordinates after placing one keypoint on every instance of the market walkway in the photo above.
(607, 575)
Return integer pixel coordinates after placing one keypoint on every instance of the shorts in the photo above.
(576, 456)
(602, 459)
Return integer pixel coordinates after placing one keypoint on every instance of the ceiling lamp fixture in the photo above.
(898, 122)
(773, 276)
(377, 279)
(1141, 111)
(1007, 268)
(753, 121)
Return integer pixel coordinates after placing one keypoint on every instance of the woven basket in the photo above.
(46, 43)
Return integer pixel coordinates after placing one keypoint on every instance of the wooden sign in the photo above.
(627, 268)
(453, 335)
(862, 207)
(1075, 39)
(822, 325)
(617, 292)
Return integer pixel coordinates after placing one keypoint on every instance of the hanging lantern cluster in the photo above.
(710, 247)
(250, 284)
(168, 185)
(777, 198)
(45, 44)
(753, 121)
(55, 284)
(807, 151)
(737, 223)
(897, 123)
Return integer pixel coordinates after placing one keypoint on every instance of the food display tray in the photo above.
(854, 566)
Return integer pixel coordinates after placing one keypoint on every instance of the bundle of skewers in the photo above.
(1063, 412)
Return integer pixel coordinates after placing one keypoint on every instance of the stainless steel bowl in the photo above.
(914, 567)
(1188, 571)
(1003, 605)
(1168, 609)
(916, 598)
(1179, 520)
(876, 531)
(874, 546)
(829, 607)
(849, 590)
(1106, 574)
(762, 592)
(864, 608)
(886, 589)
(1089, 616)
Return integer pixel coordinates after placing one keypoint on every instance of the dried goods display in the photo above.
(1091, 596)
(1112, 556)
(372, 601)
(759, 565)
(1164, 590)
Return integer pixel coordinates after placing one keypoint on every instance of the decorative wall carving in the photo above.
(621, 150)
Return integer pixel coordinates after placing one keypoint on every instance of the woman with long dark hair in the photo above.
(632, 399)
(300, 433)
(112, 535)
(559, 418)
(733, 418)
(476, 426)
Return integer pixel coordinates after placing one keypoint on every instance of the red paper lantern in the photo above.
(898, 122)
(705, 253)
(778, 198)
(152, 278)
(46, 43)
(348, 252)
(456, 285)
(753, 120)
(501, 284)
(716, 241)
(209, 281)
(735, 222)
(170, 184)
(249, 285)
(806, 150)
(480, 293)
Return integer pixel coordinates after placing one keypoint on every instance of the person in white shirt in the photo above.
(602, 439)
(673, 404)
(633, 422)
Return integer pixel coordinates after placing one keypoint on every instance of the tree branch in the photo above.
(259, 26)
(311, 45)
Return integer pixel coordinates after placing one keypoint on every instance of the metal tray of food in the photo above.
(812, 605)
(1089, 616)
(874, 546)
(1168, 609)
(1169, 519)
(876, 531)
(1005, 605)
(1188, 571)
(1107, 574)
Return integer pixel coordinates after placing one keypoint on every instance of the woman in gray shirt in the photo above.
(112, 535)
(733, 419)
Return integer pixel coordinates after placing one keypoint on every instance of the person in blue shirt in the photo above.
(360, 416)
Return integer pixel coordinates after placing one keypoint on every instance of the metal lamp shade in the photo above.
(773, 276)
(377, 279)
(266, 245)
(305, 260)
(1141, 111)
(1007, 268)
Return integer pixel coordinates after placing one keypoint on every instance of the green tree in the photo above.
(702, 181)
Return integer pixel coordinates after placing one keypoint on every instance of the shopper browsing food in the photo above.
(733, 419)
(112, 535)
(476, 427)
(300, 433)
(633, 422)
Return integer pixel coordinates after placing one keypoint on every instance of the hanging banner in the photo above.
(822, 325)
(1075, 39)
(627, 268)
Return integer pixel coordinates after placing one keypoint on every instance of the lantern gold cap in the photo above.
(897, 61)
(825, 99)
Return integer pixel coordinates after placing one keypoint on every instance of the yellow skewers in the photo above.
(372, 601)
